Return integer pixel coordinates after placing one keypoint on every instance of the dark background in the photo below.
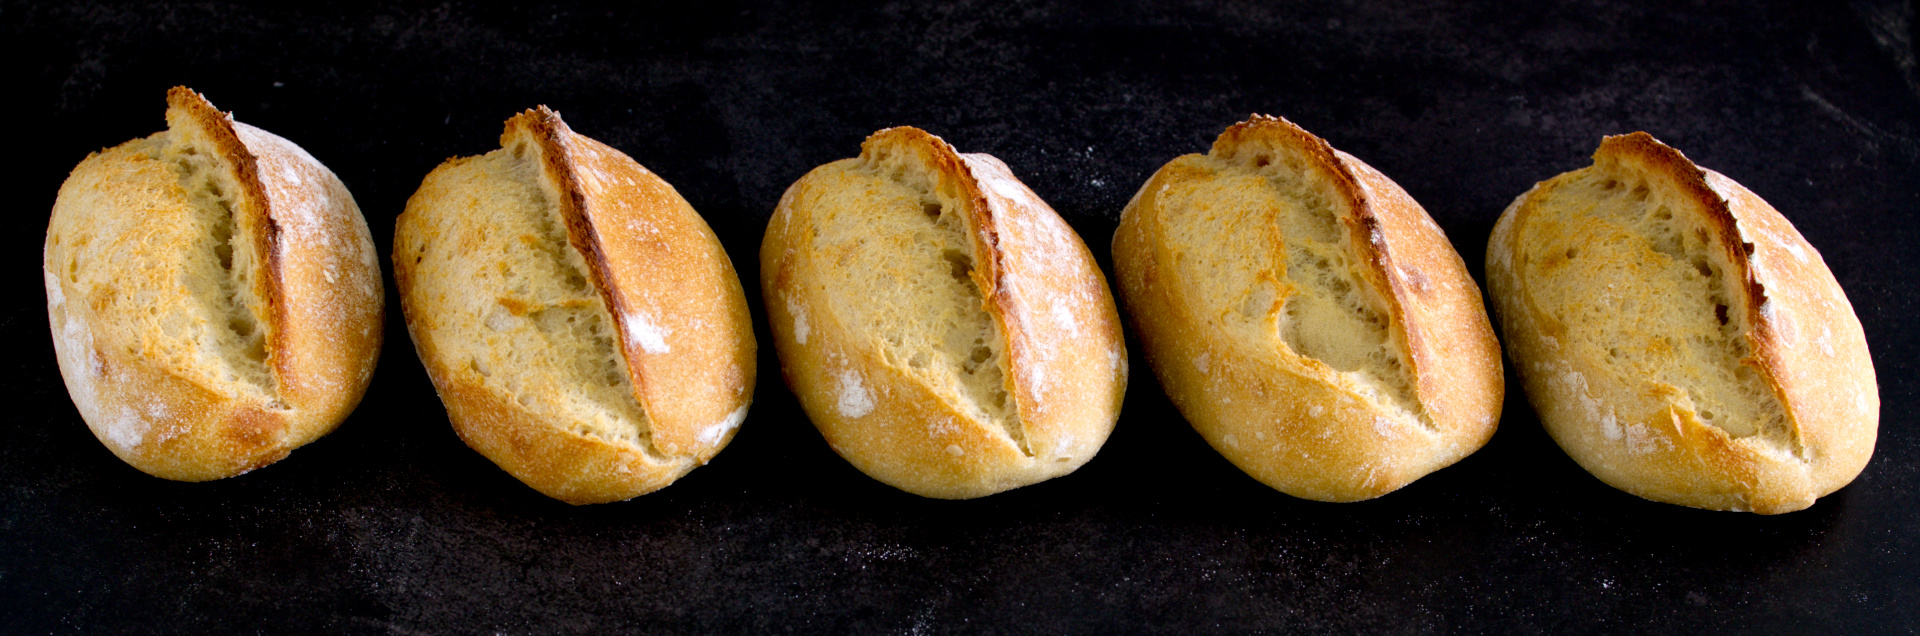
(391, 525)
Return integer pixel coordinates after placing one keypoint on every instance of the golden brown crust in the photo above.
(574, 468)
(158, 407)
(1066, 364)
(1805, 344)
(1288, 420)
(680, 317)
(636, 232)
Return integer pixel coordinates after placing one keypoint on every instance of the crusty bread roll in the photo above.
(1306, 316)
(213, 294)
(1679, 338)
(581, 322)
(944, 329)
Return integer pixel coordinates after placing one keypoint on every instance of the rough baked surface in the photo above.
(944, 329)
(1307, 316)
(1679, 338)
(213, 296)
(581, 322)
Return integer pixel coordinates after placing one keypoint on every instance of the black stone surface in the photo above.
(391, 525)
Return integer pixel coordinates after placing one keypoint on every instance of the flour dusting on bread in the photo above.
(957, 297)
(641, 329)
(855, 399)
(1278, 276)
(191, 280)
(582, 323)
(1684, 306)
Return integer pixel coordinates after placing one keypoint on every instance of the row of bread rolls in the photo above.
(215, 303)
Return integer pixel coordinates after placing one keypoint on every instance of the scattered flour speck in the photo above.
(719, 429)
(800, 328)
(641, 330)
(1610, 427)
(855, 399)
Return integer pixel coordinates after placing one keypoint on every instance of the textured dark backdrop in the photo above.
(391, 525)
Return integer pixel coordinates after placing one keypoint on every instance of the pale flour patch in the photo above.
(1641, 440)
(126, 429)
(291, 175)
(1798, 254)
(1610, 427)
(1316, 410)
(55, 297)
(719, 429)
(1042, 382)
(854, 398)
(641, 330)
(1200, 362)
(800, 329)
(1063, 318)
(157, 410)
(1576, 381)
(1384, 427)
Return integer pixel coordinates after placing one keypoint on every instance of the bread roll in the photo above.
(581, 322)
(1679, 338)
(1306, 316)
(945, 330)
(213, 296)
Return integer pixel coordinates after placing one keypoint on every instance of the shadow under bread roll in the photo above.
(1679, 338)
(213, 294)
(944, 329)
(581, 322)
(1307, 316)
